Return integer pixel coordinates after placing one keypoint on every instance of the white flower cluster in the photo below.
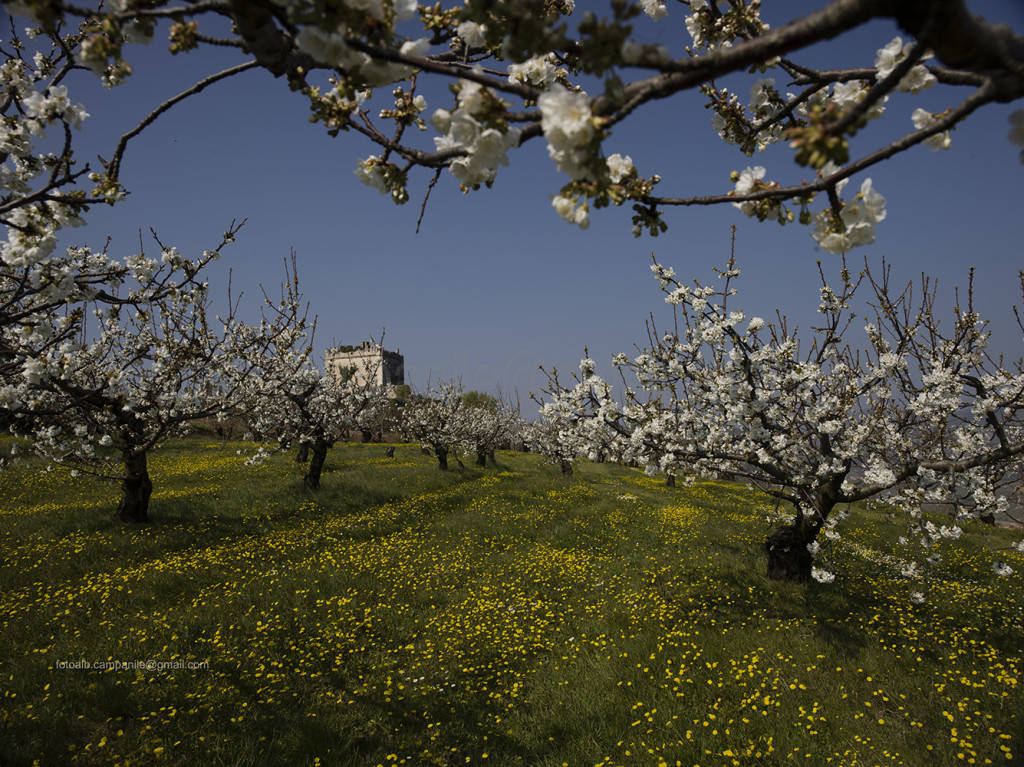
(371, 173)
(855, 226)
(465, 130)
(849, 94)
(655, 9)
(31, 106)
(763, 106)
(472, 33)
(822, 576)
(44, 109)
(330, 47)
(539, 71)
(619, 167)
(568, 126)
(745, 185)
(567, 209)
(923, 119)
(889, 57)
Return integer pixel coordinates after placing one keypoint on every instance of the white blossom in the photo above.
(922, 119)
(566, 122)
(619, 167)
(327, 47)
(655, 9)
(822, 576)
(472, 33)
(539, 71)
(371, 174)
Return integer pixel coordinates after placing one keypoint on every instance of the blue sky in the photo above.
(495, 283)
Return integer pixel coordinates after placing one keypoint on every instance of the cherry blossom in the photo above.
(336, 56)
(920, 413)
(157, 361)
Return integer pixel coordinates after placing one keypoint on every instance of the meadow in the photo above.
(494, 616)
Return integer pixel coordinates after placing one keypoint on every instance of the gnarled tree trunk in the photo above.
(788, 557)
(303, 453)
(481, 458)
(316, 464)
(136, 488)
(442, 457)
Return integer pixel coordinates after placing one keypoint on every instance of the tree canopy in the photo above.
(540, 70)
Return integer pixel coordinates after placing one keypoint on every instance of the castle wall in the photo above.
(371, 363)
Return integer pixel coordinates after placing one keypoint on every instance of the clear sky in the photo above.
(495, 283)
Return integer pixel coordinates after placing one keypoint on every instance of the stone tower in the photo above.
(366, 363)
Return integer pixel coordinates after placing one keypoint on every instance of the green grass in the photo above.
(402, 615)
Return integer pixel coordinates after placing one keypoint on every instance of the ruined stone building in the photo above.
(365, 363)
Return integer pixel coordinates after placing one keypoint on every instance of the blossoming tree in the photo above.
(438, 419)
(490, 423)
(293, 401)
(921, 413)
(304, 407)
(148, 368)
(559, 445)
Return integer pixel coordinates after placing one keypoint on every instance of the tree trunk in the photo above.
(316, 464)
(442, 458)
(481, 458)
(303, 454)
(491, 458)
(788, 557)
(367, 436)
(566, 467)
(670, 480)
(136, 487)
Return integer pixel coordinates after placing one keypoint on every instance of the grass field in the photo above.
(488, 616)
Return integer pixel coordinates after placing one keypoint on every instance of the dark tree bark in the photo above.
(788, 557)
(303, 453)
(670, 480)
(442, 457)
(367, 436)
(491, 458)
(316, 464)
(136, 488)
(390, 451)
(481, 458)
(566, 467)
